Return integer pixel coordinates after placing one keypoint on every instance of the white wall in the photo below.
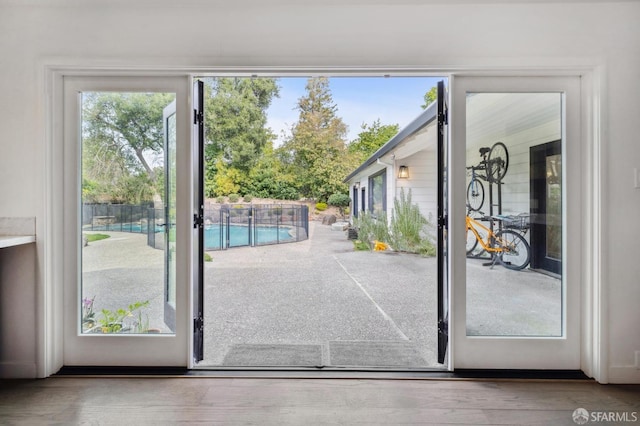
(520, 121)
(349, 33)
(423, 183)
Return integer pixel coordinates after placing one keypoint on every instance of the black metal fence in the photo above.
(115, 217)
(226, 225)
(240, 225)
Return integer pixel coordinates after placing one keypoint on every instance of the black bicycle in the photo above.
(492, 168)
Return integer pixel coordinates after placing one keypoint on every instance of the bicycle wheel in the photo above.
(472, 242)
(516, 252)
(475, 195)
(497, 162)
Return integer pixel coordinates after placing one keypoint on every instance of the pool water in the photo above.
(239, 236)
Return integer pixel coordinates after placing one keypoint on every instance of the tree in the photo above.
(121, 132)
(430, 97)
(235, 128)
(316, 148)
(371, 138)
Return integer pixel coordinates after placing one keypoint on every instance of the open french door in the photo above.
(443, 282)
(198, 221)
(169, 124)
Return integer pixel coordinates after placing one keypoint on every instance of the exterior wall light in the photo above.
(403, 172)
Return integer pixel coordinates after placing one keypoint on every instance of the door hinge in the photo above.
(198, 117)
(443, 326)
(443, 117)
(198, 323)
(443, 221)
(198, 221)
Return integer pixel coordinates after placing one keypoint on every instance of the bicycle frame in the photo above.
(472, 223)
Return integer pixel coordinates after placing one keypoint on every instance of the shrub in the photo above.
(220, 199)
(341, 201)
(321, 207)
(409, 227)
(233, 198)
(361, 245)
(247, 198)
(207, 257)
(372, 228)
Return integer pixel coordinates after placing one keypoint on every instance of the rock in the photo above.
(329, 219)
(339, 226)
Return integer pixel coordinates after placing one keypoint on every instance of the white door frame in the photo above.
(594, 358)
(115, 349)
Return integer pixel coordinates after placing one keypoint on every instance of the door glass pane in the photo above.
(514, 214)
(554, 206)
(124, 202)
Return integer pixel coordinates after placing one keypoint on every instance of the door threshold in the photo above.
(325, 373)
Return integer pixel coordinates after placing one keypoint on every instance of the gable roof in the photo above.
(426, 117)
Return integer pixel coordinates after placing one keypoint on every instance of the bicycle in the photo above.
(494, 164)
(506, 246)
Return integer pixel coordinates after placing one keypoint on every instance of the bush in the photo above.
(409, 227)
(341, 201)
(372, 228)
(247, 198)
(233, 198)
(321, 207)
(207, 257)
(220, 200)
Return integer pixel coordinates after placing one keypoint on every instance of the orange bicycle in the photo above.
(506, 246)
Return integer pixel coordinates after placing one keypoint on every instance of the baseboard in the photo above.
(624, 374)
(18, 370)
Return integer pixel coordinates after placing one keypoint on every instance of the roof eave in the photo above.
(424, 119)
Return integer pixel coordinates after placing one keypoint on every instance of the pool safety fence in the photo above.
(226, 225)
(239, 225)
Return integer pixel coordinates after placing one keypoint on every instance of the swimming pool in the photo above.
(238, 235)
(243, 236)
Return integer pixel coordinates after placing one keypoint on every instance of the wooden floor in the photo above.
(263, 401)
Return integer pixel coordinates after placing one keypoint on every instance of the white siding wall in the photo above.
(423, 182)
(520, 121)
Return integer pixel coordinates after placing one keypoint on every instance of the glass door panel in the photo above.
(504, 296)
(509, 313)
(128, 212)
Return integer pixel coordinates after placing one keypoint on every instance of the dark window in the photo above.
(378, 192)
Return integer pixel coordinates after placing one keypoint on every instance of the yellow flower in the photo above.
(379, 246)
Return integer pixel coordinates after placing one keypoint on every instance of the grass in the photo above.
(96, 237)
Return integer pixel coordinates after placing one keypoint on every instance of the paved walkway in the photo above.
(324, 297)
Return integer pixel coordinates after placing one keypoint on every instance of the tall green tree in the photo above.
(430, 97)
(121, 133)
(316, 148)
(236, 129)
(371, 138)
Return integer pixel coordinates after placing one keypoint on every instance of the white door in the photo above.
(508, 313)
(126, 221)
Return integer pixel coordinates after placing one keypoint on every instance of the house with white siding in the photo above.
(528, 124)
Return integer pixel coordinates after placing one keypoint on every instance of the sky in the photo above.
(393, 100)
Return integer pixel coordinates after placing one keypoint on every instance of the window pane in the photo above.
(127, 210)
(514, 214)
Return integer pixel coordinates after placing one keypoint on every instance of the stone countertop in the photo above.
(15, 231)
(16, 240)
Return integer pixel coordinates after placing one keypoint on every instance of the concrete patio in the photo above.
(320, 303)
